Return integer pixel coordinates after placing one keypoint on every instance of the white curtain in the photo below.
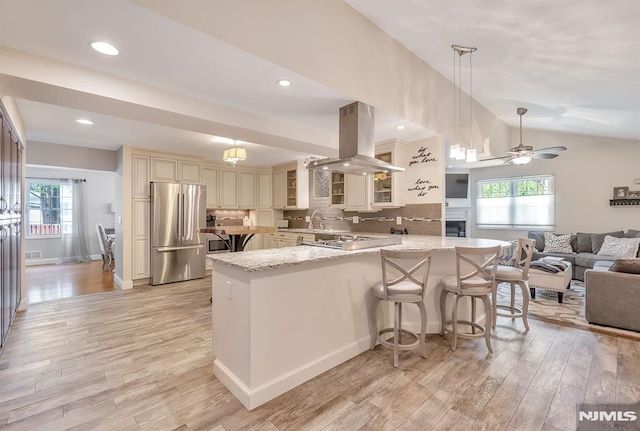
(74, 240)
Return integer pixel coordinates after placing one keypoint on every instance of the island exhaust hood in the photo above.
(356, 147)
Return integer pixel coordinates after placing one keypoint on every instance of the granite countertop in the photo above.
(260, 260)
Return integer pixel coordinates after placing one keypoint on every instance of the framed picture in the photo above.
(633, 194)
(620, 192)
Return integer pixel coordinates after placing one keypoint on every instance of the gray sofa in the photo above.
(585, 249)
(613, 298)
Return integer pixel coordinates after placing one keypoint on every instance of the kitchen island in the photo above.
(283, 316)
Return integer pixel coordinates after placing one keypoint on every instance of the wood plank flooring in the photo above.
(47, 282)
(141, 360)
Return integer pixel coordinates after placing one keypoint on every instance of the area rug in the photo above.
(570, 313)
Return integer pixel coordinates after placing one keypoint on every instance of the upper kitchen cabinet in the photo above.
(189, 172)
(246, 189)
(291, 186)
(228, 196)
(140, 177)
(264, 188)
(164, 170)
(358, 192)
(337, 189)
(389, 191)
(210, 179)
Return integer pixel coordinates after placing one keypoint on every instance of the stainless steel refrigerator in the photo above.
(178, 211)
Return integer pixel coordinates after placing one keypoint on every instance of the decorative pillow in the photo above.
(538, 235)
(632, 233)
(557, 243)
(598, 238)
(583, 242)
(619, 247)
(630, 266)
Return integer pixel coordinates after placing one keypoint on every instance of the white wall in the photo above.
(47, 154)
(585, 176)
(99, 194)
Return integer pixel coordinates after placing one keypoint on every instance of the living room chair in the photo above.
(518, 274)
(400, 286)
(105, 247)
(476, 284)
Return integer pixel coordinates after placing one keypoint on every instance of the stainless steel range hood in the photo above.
(356, 147)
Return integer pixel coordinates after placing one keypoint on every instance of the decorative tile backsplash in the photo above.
(420, 219)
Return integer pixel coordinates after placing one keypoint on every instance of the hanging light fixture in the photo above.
(458, 150)
(234, 155)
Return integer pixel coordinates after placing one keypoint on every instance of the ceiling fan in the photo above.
(522, 154)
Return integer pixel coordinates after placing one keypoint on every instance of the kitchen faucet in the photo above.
(313, 214)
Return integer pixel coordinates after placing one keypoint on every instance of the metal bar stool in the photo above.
(477, 284)
(406, 287)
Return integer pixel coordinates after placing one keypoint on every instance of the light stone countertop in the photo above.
(261, 260)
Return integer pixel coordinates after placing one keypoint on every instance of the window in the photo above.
(48, 208)
(517, 203)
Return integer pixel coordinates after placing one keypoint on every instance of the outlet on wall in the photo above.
(398, 220)
(307, 219)
(356, 219)
(228, 286)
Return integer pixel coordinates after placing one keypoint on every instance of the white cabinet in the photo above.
(263, 197)
(279, 190)
(140, 177)
(210, 179)
(140, 259)
(358, 192)
(289, 239)
(228, 192)
(337, 189)
(164, 170)
(246, 189)
(389, 191)
(141, 219)
(189, 172)
(291, 180)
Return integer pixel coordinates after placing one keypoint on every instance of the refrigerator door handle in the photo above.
(183, 221)
(184, 247)
(178, 218)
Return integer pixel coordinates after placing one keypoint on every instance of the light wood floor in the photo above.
(47, 282)
(141, 359)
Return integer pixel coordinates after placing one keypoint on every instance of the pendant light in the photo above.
(234, 155)
(459, 150)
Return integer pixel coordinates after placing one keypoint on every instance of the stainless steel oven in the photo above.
(216, 245)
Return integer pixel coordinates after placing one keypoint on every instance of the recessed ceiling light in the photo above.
(325, 168)
(84, 121)
(400, 127)
(105, 48)
(345, 164)
(284, 82)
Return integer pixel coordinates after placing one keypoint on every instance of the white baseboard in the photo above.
(123, 285)
(252, 398)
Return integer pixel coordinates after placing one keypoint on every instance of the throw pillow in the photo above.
(630, 266)
(583, 242)
(598, 238)
(619, 247)
(632, 233)
(557, 243)
(538, 235)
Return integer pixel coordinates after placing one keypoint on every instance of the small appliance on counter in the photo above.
(400, 231)
(211, 221)
(282, 223)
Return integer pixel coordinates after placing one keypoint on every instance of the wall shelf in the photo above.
(619, 202)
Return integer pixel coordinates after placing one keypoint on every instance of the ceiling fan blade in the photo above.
(495, 158)
(544, 156)
(509, 161)
(551, 149)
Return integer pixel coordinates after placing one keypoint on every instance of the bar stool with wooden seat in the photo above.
(406, 287)
(477, 284)
(518, 274)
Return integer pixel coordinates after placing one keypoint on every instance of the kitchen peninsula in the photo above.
(283, 316)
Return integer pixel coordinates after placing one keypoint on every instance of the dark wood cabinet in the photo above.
(10, 224)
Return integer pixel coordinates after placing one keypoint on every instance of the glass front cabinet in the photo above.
(389, 190)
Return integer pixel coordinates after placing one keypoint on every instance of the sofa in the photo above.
(613, 294)
(584, 249)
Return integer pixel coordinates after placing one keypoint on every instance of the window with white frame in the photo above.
(516, 203)
(48, 208)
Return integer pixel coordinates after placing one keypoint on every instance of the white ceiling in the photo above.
(571, 63)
